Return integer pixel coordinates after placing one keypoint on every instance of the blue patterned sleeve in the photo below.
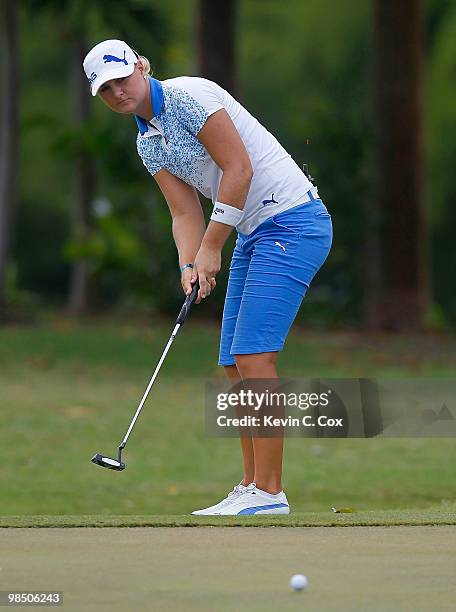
(146, 152)
(188, 111)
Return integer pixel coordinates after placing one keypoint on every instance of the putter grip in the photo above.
(185, 310)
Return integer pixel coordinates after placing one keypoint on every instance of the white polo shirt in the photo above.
(181, 107)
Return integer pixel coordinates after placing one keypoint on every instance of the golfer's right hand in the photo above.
(186, 280)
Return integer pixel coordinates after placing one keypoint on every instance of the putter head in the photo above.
(108, 462)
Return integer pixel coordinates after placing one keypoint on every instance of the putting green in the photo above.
(235, 568)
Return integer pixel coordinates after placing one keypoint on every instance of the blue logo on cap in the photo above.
(113, 58)
(92, 77)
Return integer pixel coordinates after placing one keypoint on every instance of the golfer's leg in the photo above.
(238, 272)
(288, 251)
(268, 452)
(246, 441)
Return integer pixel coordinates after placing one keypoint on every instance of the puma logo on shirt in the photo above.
(280, 245)
(272, 201)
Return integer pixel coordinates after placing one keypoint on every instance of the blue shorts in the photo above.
(271, 270)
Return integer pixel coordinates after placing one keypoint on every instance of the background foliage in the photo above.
(318, 88)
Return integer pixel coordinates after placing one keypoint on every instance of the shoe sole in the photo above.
(274, 510)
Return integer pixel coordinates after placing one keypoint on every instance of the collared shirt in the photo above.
(181, 106)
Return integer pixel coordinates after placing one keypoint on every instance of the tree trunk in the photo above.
(216, 42)
(79, 298)
(397, 299)
(9, 119)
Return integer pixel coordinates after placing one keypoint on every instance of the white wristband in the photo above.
(229, 215)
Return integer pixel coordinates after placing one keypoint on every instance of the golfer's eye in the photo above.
(103, 88)
(120, 80)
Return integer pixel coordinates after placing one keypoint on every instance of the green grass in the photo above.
(69, 389)
(384, 518)
(226, 569)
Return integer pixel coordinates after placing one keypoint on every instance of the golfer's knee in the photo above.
(256, 365)
(232, 372)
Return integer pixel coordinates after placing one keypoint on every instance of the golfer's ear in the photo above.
(140, 67)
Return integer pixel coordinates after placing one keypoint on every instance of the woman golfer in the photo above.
(193, 135)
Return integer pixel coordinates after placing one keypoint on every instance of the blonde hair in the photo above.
(145, 62)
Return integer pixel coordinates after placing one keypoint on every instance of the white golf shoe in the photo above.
(237, 491)
(256, 501)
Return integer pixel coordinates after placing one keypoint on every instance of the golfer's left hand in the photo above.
(207, 265)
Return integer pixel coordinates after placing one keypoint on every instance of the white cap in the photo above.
(110, 59)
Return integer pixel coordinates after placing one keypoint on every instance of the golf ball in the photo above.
(298, 582)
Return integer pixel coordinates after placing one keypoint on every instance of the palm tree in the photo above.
(9, 113)
(398, 269)
(84, 184)
(216, 42)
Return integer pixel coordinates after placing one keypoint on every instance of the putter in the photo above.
(117, 464)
